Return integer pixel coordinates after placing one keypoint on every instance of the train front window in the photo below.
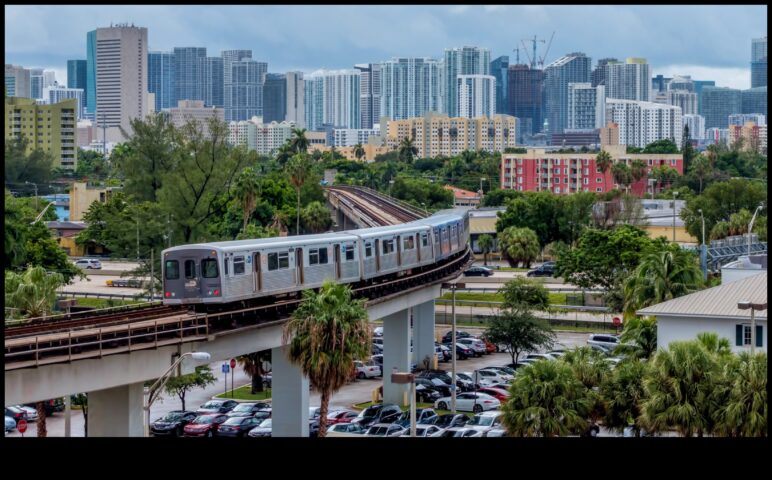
(209, 268)
(239, 267)
(190, 269)
(172, 269)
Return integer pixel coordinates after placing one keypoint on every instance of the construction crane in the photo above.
(533, 59)
(517, 55)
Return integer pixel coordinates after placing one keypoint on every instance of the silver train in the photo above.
(224, 272)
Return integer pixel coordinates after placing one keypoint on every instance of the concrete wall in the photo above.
(670, 329)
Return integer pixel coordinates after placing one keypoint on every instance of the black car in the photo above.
(462, 352)
(172, 424)
(426, 394)
(451, 420)
(217, 406)
(423, 416)
(442, 390)
(448, 337)
(545, 270)
(378, 413)
(478, 272)
(237, 426)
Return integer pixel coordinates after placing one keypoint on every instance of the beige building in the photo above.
(609, 135)
(371, 151)
(436, 134)
(187, 110)
(754, 137)
(463, 198)
(83, 195)
(51, 128)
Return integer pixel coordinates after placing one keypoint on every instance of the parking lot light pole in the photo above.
(151, 394)
(453, 287)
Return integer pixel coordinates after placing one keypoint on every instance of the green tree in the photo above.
(519, 331)
(149, 157)
(407, 150)
(604, 162)
(592, 370)
(538, 211)
(284, 153)
(32, 293)
(316, 218)
(299, 142)
(498, 197)
(661, 146)
(701, 169)
(92, 163)
(359, 151)
(546, 401)
(524, 291)
(81, 400)
(622, 175)
(638, 169)
(299, 170)
(252, 364)
(623, 395)
(639, 337)
(246, 189)
(745, 412)
(519, 244)
(661, 276)
(326, 333)
(21, 166)
(720, 200)
(485, 242)
(181, 385)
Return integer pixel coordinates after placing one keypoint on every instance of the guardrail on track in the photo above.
(108, 295)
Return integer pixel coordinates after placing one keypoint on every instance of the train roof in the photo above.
(388, 230)
(290, 241)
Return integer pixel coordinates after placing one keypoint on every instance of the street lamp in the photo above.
(675, 194)
(481, 189)
(426, 212)
(151, 394)
(453, 287)
(745, 305)
(750, 226)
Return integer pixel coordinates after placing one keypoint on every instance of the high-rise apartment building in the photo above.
(263, 137)
(696, 124)
(525, 93)
(349, 137)
(586, 106)
(659, 84)
(410, 87)
(462, 61)
(56, 94)
(628, 81)
(161, 78)
(700, 84)
(759, 62)
(641, 123)
(571, 68)
(121, 79)
(754, 100)
(598, 76)
(228, 58)
(39, 80)
(187, 73)
(369, 94)
(681, 82)
(476, 96)
(51, 128)
(753, 136)
(76, 74)
(717, 103)
(684, 99)
(91, 74)
(246, 90)
(296, 97)
(499, 69)
(743, 118)
(17, 81)
(211, 79)
(195, 110)
(332, 99)
(274, 98)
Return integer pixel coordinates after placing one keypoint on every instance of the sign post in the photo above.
(617, 322)
(225, 369)
(21, 426)
(233, 367)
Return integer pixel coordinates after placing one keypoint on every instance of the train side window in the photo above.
(349, 252)
(172, 269)
(436, 236)
(317, 256)
(368, 250)
(424, 240)
(190, 269)
(408, 243)
(209, 268)
(239, 267)
(283, 260)
(226, 262)
(273, 261)
(388, 246)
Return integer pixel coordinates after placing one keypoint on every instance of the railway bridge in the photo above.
(112, 353)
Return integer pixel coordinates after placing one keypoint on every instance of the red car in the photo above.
(341, 416)
(204, 425)
(501, 394)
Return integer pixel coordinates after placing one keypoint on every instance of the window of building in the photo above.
(565, 180)
(598, 180)
(673, 161)
(172, 270)
(519, 169)
(209, 268)
(556, 171)
(598, 189)
(519, 179)
(239, 267)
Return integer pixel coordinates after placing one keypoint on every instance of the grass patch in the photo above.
(244, 393)
(106, 302)
(471, 296)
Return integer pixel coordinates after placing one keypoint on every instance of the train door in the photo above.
(398, 239)
(299, 265)
(336, 256)
(418, 247)
(192, 281)
(377, 255)
(258, 271)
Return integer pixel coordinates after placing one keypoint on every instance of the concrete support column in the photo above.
(396, 354)
(289, 397)
(423, 333)
(116, 412)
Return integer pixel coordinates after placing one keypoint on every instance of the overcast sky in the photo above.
(709, 42)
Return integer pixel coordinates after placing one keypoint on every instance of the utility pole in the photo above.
(675, 194)
(137, 238)
(152, 274)
(104, 134)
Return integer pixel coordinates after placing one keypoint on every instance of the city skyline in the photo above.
(337, 37)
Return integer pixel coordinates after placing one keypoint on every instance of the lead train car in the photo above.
(223, 272)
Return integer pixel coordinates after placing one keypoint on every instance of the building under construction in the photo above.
(525, 95)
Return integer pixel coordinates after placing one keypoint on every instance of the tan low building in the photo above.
(82, 195)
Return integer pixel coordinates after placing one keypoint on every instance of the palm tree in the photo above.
(664, 275)
(701, 169)
(519, 244)
(485, 242)
(252, 364)
(621, 174)
(285, 152)
(299, 141)
(714, 344)
(546, 400)
(246, 188)
(603, 161)
(591, 368)
(280, 223)
(623, 393)
(299, 171)
(32, 293)
(316, 218)
(359, 151)
(641, 333)
(326, 333)
(638, 170)
(745, 412)
(407, 150)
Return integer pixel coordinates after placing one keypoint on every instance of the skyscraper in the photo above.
(628, 81)
(296, 97)
(759, 62)
(91, 74)
(369, 94)
(17, 81)
(274, 98)
(525, 94)
(641, 123)
(571, 68)
(586, 106)
(76, 74)
(717, 103)
(211, 80)
(598, 75)
(56, 93)
(499, 68)
(410, 87)
(754, 100)
(476, 96)
(700, 84)
(246, 90)
(121, 79)
(228, 57)
(332, 99)
(659, 84)
(462, 61)
(696, 124)
(160, 79)
(187, 73)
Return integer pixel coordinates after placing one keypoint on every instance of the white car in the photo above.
(460, 432)
(610, 342)
(469, 402)
(541, 356)
(385, 430)
(89, 263)
(477, 345)
(345, 430)
(378, 332)
(367, 370)
(424, 431)
(491, 377)
(32, 413)
(485, 421)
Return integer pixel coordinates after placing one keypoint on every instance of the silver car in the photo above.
(477, 346)
(610, 342)
(89, 263)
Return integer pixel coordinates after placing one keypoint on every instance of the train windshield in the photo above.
(209, 268)
(172, 269)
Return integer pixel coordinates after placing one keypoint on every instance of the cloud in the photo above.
(724, 77)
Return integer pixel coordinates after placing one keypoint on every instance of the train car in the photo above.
(392, 249)
(448, 235)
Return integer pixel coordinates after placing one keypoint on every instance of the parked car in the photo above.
(502, 369)
(478, 272)
(425, 394)
(424, 416)
(32, 413)
(378, 413)
(462, 351)
(217, 406)
(485, 421)
(10, 424)
(501, 394)
(442, 352)
(541, 356)
(495, 432)
(248, 409)
(378, 332)
(50, 406)
(448, 337)
(204, 425)
(385, 430)
(172, 424)
(352, 428)
(378, 360)
(489, 378)
(89, 264)
(469, 402)
(432, 384)
(464, 382)
(237, 426)
(424, 431)
(460, 432)
(544, 270)
(602, 349)
(337, 416)
(477, 345)
(16, 413)
(451, 420)
(262, 430)
(268, 379)
(608, 341)
(367, 370)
